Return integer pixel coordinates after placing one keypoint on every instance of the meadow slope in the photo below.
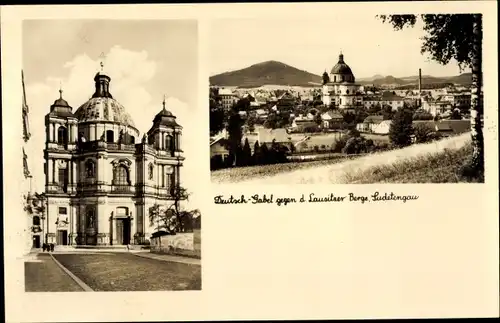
(407, 165)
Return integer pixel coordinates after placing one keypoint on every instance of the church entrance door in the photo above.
(36, 241)
(62, 237)
(123, 231)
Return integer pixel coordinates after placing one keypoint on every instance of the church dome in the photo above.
(104, 109)
(102, 106)
(166, 118)
(342, 69)
(60, 108)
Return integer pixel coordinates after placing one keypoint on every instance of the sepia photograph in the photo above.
(398, 99)
(107, 195)
(107, 111)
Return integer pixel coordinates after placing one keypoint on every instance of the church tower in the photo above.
(60, 168)
(165, 136)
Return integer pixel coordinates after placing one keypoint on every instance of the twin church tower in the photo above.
(100, 177)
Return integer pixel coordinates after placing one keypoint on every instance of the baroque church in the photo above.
(100, 177)
(340, 89)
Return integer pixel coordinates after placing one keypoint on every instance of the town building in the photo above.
(228, 98)
(33, 235)
(332, 120)
(100, 181)
(340, 89)
(386, 99)
(436, 106)
(370, 123)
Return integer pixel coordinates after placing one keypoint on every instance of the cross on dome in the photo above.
(102, 57)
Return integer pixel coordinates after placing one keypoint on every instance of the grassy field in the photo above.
(126, 272)
(440, 167)
(234, 175)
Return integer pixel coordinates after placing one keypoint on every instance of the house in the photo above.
(219, 148)
(436, 107)
(261, 114)
(369, 123)
(301, 123)
(332, 120)
(386, 99)
(267, 136)
(383, 127)
(447, 127)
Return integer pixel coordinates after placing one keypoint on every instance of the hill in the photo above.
(265, 73)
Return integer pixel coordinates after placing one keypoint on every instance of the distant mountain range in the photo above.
(378, 80)
(277, 73)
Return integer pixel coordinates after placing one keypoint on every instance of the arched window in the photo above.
(110, 136)
(340, 101)
(132, 140)
(36, 220)
(120, 175)
(90, 168)
(62, 135)
(347, 91)
(151, 168)
(335, 78)
(168, 142)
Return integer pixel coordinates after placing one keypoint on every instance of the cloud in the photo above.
(130, 72)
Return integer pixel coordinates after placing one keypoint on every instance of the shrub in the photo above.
(339, 144)
(423, 133)
(401, 128)
(355, 145)
(353, 133)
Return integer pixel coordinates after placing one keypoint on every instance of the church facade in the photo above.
(100, 180)
(340, 89)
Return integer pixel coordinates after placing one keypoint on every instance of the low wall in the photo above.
(179, 241)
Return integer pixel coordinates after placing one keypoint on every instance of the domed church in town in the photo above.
(340, 89)
(101, 178)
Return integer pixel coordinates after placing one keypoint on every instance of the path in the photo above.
(333, 174)
(179, 259)
(42, 274)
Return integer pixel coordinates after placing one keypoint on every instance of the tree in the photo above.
(458, 37)
(251, 123)
(264, 154)
(246, 153)
(349, 119)
(216, 118)
(271, 121)
(401, 128)
(387, 112)
(257, 157)
(374, 108)
(172, 218)
(234, 130)
(455, 115)
(423, 133)
(317, 119)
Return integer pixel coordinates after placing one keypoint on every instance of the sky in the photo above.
(370, 47)
(146, 59)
